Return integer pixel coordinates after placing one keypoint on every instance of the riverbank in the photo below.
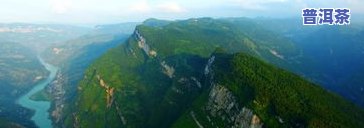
(41, 116)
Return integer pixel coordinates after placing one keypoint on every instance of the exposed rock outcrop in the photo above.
(122, 118)
(109, 91)
(208, 65)
(110, 98)
(275, 53)
(198, 83)
(195, 119)
(168, 70)
(57, 92)
(142, 43)
(222, 104)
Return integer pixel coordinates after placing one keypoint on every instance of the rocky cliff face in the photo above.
(109, 91)
(189, 86)
(222, 104)
(142, 43)
(57, 93)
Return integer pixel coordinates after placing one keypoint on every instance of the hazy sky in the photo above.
(113, 11)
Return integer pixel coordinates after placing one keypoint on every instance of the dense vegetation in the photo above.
(75, 55)
(135, 85)
(275, 94)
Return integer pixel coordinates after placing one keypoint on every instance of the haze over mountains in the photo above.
(197, 72)
(21, 46)
(182, 74)
(161, 63)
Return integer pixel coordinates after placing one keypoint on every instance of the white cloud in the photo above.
(147, 7)
(300, 3)
(171, 7)
(60, 6)
(256, 4)
(68, 11)
(356, 6)
(140, 6)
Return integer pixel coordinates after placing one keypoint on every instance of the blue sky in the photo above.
(114, 11)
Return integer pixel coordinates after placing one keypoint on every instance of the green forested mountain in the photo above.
(187, 74)
(279, 98)
(74, 56)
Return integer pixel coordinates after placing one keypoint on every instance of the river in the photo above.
(41, 116)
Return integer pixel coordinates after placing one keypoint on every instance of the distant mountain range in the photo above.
(20, 45)
(199, 72)
(38, 36)
(335, 54)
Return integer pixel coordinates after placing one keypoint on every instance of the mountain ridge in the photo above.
(155, 76)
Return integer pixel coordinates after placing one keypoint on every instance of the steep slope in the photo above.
(353, 87)
(74, 56)
(160, 72)
(19, 70)
(338, 52)
(61, 53)
(197, 36)
(248, 92)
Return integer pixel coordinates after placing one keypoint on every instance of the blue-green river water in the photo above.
(41, 116)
